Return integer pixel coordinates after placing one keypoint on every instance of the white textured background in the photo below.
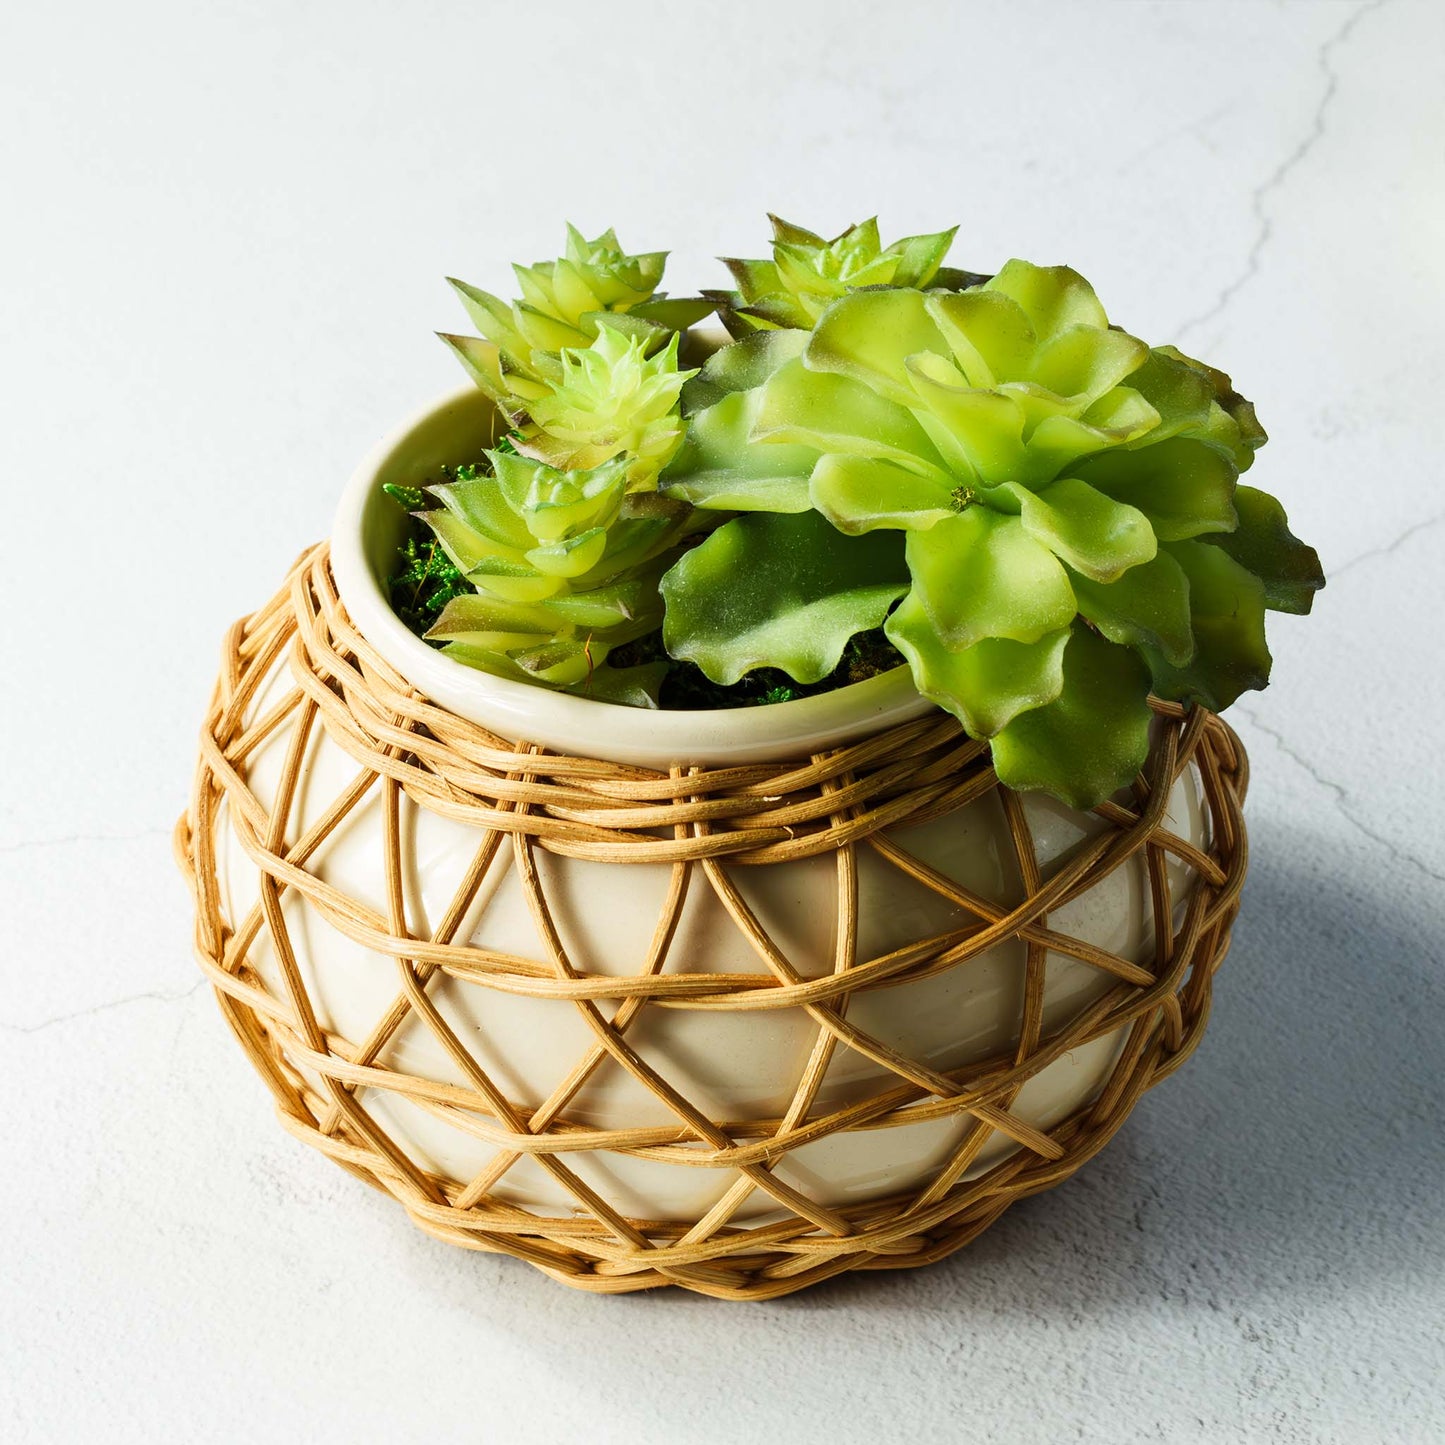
(222, 233)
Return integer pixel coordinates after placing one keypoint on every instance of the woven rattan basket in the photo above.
(297, 676)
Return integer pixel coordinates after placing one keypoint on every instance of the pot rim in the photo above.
(579, 726)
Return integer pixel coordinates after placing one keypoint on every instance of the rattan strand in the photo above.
(702, 824)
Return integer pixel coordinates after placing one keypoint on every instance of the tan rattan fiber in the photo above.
(703, 823)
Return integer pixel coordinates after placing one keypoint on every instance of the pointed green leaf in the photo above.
(790, 235)
(676, 313)
(627, 686)
(482, 362)
(919, 257)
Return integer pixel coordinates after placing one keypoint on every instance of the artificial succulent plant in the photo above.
(1039, 512)
(564, 566)
(564, 304)
(807, 274)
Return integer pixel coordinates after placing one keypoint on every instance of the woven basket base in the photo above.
(525, 799)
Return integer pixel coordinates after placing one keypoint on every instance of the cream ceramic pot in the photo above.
(742, 1065)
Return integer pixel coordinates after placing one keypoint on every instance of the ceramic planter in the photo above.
(740, 1067)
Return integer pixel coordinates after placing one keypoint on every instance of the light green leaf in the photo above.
(628, 686)
(988, 333)
(720, 467)
(1183, 486)
(1093, 738)
(869, 335)
(1082, 362)
(984, 686)
(1096, 536)
(1053, 297)
(981, 575)
(836, 414)
(919, 257)
(767, 590)
(860, 494)
(979, 432)
(741, 367)
(1263, 544)
(482, 361)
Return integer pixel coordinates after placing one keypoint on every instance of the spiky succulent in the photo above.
(1074, 535)
(565, 565)
(611, 400)
(563, 304)
(807, 273)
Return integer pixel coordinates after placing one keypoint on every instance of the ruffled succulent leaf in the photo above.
(986, 685)
(980, 574)
(772, 590)
(1264, 545)
(1245, 435)
(1092, 738)
(832, 413)
(1183, 486)
(1148, 606)
(1226, 609)
(720, 468)
(870, 336)
(1082, 527)
(864, 494)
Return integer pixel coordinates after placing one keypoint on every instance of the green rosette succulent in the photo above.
(1074, 532)
(807, 274)
(611, 400)
(565, 567)
(563, 305)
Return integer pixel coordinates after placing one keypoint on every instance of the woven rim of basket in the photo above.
(698, 822)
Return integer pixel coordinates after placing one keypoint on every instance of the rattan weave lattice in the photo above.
(703, 824)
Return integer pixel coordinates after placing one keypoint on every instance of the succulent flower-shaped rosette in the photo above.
(807, 273)
(564, 567)
(564, 305)
(552, 544)
(1053, 506)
